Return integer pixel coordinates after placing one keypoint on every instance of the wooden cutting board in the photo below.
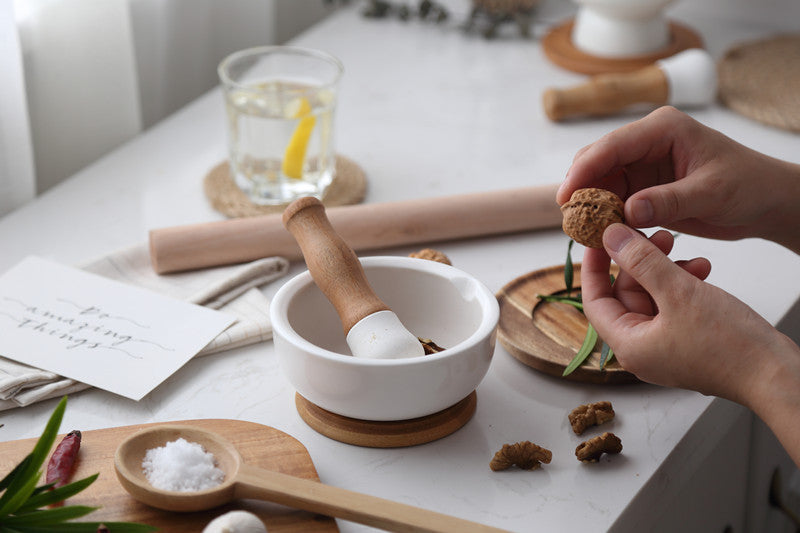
(258, 445)
(546, 335)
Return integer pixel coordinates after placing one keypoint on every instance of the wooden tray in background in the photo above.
(258, 445)
(546, 335)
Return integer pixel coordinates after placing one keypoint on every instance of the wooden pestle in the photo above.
(685, 79)
(363, 226)
(606, 94)
(372, 329)
(332, 263)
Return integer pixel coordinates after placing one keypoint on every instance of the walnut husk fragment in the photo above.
(526, 455)
(588, 213)
(431, 255)
(590, 414)
(591, 450)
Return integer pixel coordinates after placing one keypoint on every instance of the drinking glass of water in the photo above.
(280, 103)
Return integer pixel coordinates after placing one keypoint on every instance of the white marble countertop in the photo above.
(426, 110)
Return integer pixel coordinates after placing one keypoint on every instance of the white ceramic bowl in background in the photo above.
(621, 28)
(433, 300)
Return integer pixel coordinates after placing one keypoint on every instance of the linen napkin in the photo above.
(230, 289)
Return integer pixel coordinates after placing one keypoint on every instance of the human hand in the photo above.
(666, 325)
(674, 172)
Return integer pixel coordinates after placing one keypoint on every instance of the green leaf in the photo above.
(56, 495)
(569, 300)
(568, 268)
(606, 354)
(586, 349)
(6, 481)
(15, 496)
(49, 517)
(20, 488)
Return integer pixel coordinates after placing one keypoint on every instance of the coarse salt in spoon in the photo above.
(247, 482)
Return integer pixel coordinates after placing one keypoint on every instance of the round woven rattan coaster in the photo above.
(348, 187)
(761, 80)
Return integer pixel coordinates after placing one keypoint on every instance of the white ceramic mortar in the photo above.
(621, 28)
(433, 300)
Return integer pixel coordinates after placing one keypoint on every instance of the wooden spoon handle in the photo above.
(324, 499)
(333, 264)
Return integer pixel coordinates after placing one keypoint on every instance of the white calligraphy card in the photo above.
(113, 336)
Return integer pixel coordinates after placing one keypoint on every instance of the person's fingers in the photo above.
(647, 139)
(596, 284)
(665, 204)
(699, 267)
(664, 241)
(642, 259)
(607, 314)
(629, 291)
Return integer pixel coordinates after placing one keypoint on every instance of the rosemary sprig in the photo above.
(23, 502)
(585, 350)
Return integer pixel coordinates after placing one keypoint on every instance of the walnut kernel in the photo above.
(588, 213)
(591, 414)
(432, 255)
(591, 450)
(526, 455)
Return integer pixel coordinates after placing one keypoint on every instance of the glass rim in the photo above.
(265, 50)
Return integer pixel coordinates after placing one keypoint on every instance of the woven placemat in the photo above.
(349, 186)
(761, 80)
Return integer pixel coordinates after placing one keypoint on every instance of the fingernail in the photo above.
(641, 211)
(563, 183)
(617, 236)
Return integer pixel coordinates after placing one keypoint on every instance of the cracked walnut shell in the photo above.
(591, 450)
(590, 414)
(526, 455)
(588, 213)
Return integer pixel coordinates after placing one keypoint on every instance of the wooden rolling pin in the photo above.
(685, 79)
(363, 226)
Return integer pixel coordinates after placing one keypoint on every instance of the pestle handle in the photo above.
(606, 94)
(332, 263)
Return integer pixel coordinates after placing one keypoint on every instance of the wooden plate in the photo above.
(546, 336)
(259, 445)
(560, 49)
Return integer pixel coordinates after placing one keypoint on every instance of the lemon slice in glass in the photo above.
(295, 154)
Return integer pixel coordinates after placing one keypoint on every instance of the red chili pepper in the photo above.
(59, 468)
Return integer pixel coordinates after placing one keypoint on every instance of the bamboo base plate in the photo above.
(546, 336)
(259, 445)
(393, 434)
(560, 49)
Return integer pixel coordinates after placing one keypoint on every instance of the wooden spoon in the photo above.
(371, 328)
(243, 481)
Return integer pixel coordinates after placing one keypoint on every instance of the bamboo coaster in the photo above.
(761, 80)
(559, 48)
(392, 434)
(348, 187)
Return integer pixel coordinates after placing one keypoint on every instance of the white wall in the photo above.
(99, 71)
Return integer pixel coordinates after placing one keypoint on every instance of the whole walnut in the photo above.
(431, 255)
(588, 213)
